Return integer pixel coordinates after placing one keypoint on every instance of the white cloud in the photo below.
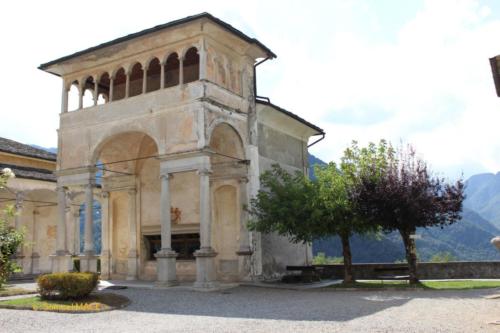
(359, 69)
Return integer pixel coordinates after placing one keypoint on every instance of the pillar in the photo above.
(80, 97)
(35, 257)
(245, 251)
(88, 261)
(61, 260)
(64, 99)
(127, 84)
(144, 80)
(181, 70)
(205, 256)
(203, 60)
(166, 257)
(111, 88)
(76, 223)
(162, 75)
(132, 252)
(18, 256)
(105, 251)
(95, 93)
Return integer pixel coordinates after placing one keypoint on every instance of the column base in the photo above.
(205, 269)
(132, 267)
(61, 263)
(167, 274)
(88, 262)
(35, 263)
(105, 259)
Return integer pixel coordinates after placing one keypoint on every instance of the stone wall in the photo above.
(426, 270)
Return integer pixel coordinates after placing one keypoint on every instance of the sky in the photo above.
(406, 71)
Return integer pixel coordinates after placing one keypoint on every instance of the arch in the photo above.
(226, 142)
(153, 75)
(115, 135)
(191, 65)
(224, 121)
(136, 80)
(88, 91)
(171, 70)
(103, 88)
(119, 81)
(73, 95)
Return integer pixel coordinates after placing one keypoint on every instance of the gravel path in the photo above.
(250, 309)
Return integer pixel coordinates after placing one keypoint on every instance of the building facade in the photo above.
(167, 121)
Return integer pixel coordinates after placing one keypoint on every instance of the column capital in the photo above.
(243, 180)
(166, 176)
(132, 191)
(204, 172)
(105, 194)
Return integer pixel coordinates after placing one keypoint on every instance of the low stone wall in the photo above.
(426, 270)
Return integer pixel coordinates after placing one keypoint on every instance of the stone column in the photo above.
(245, 251)
(18, 256)
(76, 222)
(35, 257)
(162, 75)
(144, 80)
(80, 96)
(132, 251)
(88, 261)
(111, 88)
(64, 99)
(95, 93)
(61, 260)
(205, 256)
(105, 252)
(181, 70)
(166, 257)
(203, 60)
(127, 84)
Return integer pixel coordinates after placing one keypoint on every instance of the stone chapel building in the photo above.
(168, 123)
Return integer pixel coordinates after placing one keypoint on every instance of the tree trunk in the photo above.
(346, 252)
(411, 254)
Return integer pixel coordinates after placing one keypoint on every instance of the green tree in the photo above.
(10, 239)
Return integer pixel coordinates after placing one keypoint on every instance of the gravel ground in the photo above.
(251, 309)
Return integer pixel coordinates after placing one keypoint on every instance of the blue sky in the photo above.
(416, 71)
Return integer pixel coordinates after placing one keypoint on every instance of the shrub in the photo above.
(322, 259)
(66, 285)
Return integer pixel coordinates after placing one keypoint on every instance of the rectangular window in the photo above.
(184, 244)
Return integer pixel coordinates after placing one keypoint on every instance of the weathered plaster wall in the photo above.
(120, 238)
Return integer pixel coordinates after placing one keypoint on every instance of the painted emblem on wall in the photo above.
(175, 214)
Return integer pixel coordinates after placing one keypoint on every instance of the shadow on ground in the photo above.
(263, 303)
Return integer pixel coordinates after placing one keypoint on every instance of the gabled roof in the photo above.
(171, 24)
(18, 148)
(30, 173)
(290, 114)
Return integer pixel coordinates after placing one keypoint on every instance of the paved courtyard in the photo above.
(253, 309)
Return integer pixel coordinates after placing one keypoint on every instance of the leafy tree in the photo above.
(287, 205)
(10, 239)
(401, 195)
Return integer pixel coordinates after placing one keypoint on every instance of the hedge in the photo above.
(66, 285)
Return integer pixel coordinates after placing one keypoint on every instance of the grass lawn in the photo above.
(431, 285)
(93, 303)
(12, 291)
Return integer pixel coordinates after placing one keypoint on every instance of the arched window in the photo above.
(172, 70)
(88, 92)
(136, 77)
(103, 89)
(153, 75)
(191, 65)
(73, 96)
(119, 85)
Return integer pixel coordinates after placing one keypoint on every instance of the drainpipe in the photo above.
(315, 142)
(255, 75)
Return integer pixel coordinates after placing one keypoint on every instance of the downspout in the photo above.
(255, 75)
(315, 142)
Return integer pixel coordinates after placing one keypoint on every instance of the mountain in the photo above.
(50, 150)
(468, 239)
(483, 196)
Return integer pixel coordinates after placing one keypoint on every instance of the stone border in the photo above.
(126, 303)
